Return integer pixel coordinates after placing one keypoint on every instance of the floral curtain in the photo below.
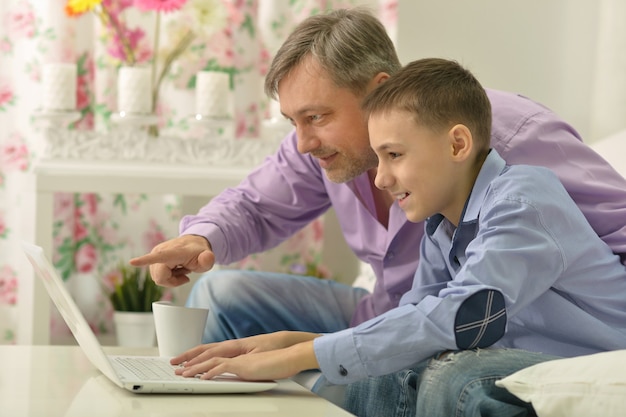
(93, 233)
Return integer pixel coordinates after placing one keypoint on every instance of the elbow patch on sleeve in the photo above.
(480, 320)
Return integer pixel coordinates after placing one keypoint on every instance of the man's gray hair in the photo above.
(351, 45)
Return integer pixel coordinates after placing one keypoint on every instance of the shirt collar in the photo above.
(490, 170)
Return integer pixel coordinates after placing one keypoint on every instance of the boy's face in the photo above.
(329, 122)
(414, 165)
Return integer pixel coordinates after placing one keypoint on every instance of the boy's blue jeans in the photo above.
(456, 384)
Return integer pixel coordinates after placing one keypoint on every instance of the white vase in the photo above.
(134, 329)
(134, 90)
(59, 87)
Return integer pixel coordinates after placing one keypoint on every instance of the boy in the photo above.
(507, 261)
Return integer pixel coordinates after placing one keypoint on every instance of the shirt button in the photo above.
(342, 371)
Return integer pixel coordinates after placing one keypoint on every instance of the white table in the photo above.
(103, 177)
(59, 381)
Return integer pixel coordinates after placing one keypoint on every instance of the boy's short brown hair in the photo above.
(439, 93)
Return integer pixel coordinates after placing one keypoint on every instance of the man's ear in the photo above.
(380, 77)
(377, 80)
(461, 142)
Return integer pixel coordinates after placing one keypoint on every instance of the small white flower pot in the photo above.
(134, 329)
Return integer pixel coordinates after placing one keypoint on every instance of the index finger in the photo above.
(154, 258)
(188, 355)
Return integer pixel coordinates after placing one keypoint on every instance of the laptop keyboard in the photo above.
(146, 368)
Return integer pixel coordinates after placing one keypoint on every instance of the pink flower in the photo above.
(5, 46)
(153, 236)
(80, 231)
(3, 227)
(117, 6)
(21, 21)
(264, 61)
(107, 234)
(143, 53)
(8, 286)
(83, 98)
(6, 94)
(235, 12)
(85, 258)
(240, 126)
(86, 122)
(86, 75)
(91, 203)
(111, 279)
(160, 5)
(63, 203)
(14, 154)
(133, 36)
(220, 48)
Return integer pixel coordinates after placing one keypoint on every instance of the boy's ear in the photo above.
(461, 142)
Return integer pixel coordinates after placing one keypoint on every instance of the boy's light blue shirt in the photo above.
(523, 238)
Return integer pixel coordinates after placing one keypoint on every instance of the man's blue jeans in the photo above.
(247, 303)
(457, 384)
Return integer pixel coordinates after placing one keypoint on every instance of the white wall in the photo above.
(544, 49)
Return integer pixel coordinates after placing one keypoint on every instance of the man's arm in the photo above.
(524, 132)
(278, 198)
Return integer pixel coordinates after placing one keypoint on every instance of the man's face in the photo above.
(328, 120)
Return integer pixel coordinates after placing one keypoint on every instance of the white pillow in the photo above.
(584, 386)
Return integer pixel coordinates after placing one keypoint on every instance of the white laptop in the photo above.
(138, 374)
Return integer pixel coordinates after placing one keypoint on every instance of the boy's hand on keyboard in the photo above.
(232, 348)
(257, 366)
(253, 357)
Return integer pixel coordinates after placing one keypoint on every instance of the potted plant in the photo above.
(132, 291)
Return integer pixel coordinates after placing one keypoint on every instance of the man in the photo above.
(321, 75)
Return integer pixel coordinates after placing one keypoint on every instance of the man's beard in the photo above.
(350, 168)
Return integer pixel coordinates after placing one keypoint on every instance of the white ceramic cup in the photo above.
(177, 328)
